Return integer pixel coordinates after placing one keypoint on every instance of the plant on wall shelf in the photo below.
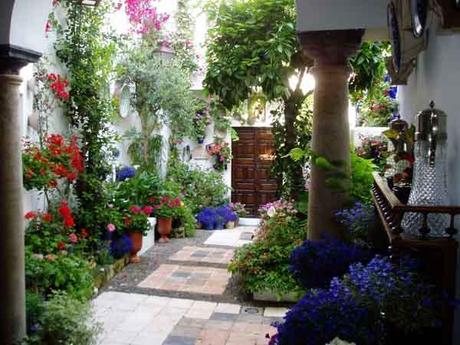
(200, 122)
(221, 153)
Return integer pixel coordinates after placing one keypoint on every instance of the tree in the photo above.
(253, 47)
(162, 95)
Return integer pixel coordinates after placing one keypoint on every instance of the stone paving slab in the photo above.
(206, 280)
(155, 320)
(236, 237)
(203, 255)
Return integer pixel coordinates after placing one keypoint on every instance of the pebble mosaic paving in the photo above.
(138, 319)
(203, 254)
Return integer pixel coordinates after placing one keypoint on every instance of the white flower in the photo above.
(271, 211)
(338, 341)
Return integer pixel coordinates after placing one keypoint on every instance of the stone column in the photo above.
(12, 281)
(331, 135)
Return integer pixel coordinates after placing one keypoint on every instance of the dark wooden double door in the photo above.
(253, 154)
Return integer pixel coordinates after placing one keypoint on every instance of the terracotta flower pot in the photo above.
(136, 238)
(164, 228)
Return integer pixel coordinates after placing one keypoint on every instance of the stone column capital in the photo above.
(11, 65)
(330, 47)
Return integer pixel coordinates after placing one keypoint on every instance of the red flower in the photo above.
(47, 217)
(84, 233)
(72, 176)
(69, 222)
(73, 238)
(66, 214)
(55, 139)
(52, 184)
(31, 215)
(60, 245)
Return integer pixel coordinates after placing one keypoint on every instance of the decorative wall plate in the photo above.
(125, 101)
(395, 36)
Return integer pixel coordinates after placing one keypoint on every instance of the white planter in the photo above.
(148, 241)
(249, 222)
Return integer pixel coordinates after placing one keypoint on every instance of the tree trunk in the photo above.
(293, 170)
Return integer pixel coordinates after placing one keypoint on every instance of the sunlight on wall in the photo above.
(308, 83)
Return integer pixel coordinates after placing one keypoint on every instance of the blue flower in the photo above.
(125, 173)
(315, 263)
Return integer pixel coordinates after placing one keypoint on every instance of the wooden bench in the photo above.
(438, 254)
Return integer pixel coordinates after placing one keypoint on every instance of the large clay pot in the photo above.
(136, 238)
(164, 228)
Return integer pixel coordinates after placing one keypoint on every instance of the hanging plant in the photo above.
(221, 153)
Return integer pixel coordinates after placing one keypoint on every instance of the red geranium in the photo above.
(31, 215)
(66, 214)
(47, 217)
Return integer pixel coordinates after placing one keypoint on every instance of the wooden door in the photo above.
(253, 154)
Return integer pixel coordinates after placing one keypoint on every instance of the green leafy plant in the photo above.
(264, 264)
(162, 92)
(64, 320)
(199, 188)
(62, 271)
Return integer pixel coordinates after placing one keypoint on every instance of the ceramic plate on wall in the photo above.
(125, 101)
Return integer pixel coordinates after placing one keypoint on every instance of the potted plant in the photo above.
(240, 210)
(200, 122)
(221, 153)
(207, 218)
(136, 225)
(165, 211)
(229, 216)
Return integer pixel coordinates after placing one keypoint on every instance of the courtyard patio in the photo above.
(235, 172)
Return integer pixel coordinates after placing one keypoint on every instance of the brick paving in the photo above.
(198, 270)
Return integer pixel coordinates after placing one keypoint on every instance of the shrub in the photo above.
(64, 271)
(264, 264)
(65, 320)
(363, 305)
(315, 263)
(199, 188)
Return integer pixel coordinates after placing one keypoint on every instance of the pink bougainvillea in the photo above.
(144, 16)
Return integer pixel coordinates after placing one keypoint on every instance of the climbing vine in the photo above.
(87, 53)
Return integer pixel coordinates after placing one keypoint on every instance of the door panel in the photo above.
(253, 155)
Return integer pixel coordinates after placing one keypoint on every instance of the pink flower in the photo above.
(147, 210)
(135, 209)
(73, 238)
(111, 227)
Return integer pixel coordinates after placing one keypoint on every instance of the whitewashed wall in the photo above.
(437, 78)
